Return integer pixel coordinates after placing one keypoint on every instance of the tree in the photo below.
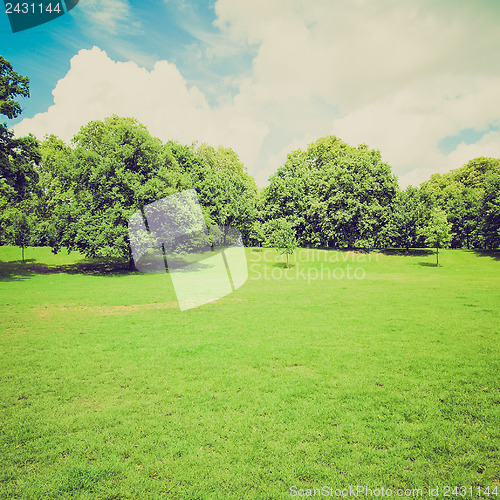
(226, 191)
(408, 215)
(352, 194)
(54, 189)
(461, 193)
(491, 211)
(333, 194)
(437, 231)
(116, 168)
(463, 209)
(19, 158)
(287, 195)
(20, 229)
(256, 234)
(12, 85)
(281, 236)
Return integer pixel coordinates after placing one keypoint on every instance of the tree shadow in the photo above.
(412, 252)
(428, 264)
(17, 270)
(283, 265)
(494, 254)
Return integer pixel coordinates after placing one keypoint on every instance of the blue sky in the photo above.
(418, 80)
(148, 31)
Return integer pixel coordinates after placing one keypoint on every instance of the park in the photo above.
(363, 349)
(109, 389)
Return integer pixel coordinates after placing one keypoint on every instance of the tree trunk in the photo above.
(287, 260)
(22, 249)
(131, 265)
(437, 256)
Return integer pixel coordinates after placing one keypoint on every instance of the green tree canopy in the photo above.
(225, 189)
(19, 227)
(287, 195)
(19, 159)
(333, 194)
(280, 235)
(491, 207)
(12, 85)
(437, 231)
(115, 168)
(410, 213)
(461, 193)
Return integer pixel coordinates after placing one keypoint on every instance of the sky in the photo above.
(419, 80)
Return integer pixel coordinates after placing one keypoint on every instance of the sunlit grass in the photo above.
(302, 377)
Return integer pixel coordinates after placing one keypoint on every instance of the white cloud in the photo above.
(110, 16)
(398, 76)
(96, 87)
(408, 126)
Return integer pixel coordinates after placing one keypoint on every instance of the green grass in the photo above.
(109, 391)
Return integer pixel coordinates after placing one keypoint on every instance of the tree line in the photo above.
(340, 196)
(81, 196)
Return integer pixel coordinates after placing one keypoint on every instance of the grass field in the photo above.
(303, 377)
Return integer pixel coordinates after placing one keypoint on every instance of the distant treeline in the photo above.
(333, 195)
(342, 196)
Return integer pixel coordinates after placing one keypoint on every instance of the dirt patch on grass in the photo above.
(45, 311)
(87, 404)
(119, 309)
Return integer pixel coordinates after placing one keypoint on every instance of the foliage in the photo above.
(333, 194)
(256, 234)
(19, 159)
(491, 207)
(287, 195)
(20, 227)
(437, 231)
(115, 168)
(409, 214)
(89, 191)
(12, 85)
(461, 194)
(279, 234)
(225, 189)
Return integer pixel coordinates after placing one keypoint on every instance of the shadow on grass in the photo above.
(412, 252)
(16, 270)
(283, 265)
(494, 254)
(427, 264)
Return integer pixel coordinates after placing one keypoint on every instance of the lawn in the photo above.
(344, 370)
